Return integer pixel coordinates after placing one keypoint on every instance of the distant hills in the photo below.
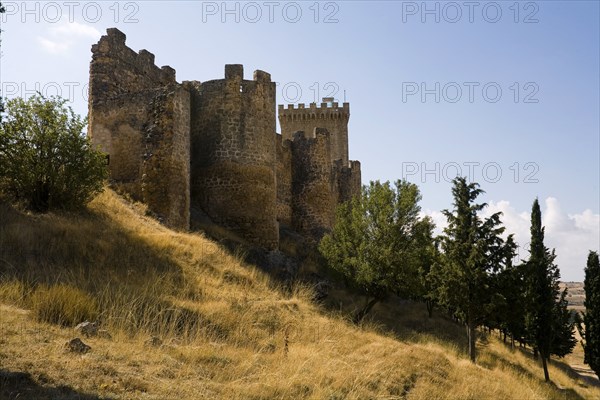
(576, 295)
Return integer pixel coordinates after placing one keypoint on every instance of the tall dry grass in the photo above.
(227, 330)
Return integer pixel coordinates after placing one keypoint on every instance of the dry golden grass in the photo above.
(227, 331)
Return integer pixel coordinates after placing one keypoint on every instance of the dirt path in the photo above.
(575, 361)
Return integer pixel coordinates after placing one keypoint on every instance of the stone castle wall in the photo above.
(284, 181)
(313, 188)
(139, 116)
(213, 146)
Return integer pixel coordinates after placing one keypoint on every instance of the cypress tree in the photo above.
(472, 249)
(548, 325)
(591, 318)
(563, 338)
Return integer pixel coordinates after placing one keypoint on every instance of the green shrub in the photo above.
(45, 158)
(63, 305)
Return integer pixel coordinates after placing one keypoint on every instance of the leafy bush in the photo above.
(63, 305)
(45, 159)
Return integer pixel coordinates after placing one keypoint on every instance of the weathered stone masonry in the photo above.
(213, 145)
(233, 153)
(139, 115)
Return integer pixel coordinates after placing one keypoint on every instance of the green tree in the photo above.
(513, 290)
(471, 249)
(591, 317)
(506, 308)
(2, 10)
(430, 256)
(375, 242)
(546, 317)
(45, 160)
(563, 329)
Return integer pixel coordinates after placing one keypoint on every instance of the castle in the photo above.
(213, 147)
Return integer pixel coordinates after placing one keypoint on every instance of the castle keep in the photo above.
(212, 147)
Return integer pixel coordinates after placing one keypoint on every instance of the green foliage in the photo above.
(591, 317)
(45, 160)
(510, 285)
(378, 240)
(548, 325)
(63, 305)
(506, 309)
(472, 249)
(424, 290)
(2, 10)
(563, 327)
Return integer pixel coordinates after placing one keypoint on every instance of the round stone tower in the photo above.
(233, 154)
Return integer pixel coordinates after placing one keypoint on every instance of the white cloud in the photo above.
(572, 235)
(438, 218)
(53, 47)
(62, 37)
(76, 29)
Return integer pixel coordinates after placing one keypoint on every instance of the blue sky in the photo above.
(506, 91)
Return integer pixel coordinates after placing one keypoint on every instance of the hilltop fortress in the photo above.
(211, 148)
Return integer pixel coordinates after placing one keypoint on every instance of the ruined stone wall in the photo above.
(329, 116)
(313, 184)
(116, 69)
(139, 116)
(234, 154)
(166, 166)
(284, 181)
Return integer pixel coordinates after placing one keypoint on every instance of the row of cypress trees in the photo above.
(381, 244)
(478, 282)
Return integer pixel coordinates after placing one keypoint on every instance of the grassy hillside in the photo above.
(222, 328)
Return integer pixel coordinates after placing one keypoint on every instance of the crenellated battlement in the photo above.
(354, 165)
(326, 110)
(259, 90)
(235, 72)
(116, 69)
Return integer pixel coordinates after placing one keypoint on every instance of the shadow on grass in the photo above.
(129, 273)
(405, 320)
(576, 373)
(20, 385)
(494, 360)
(569, 394)
(85, 249)
(573, 372)
(120, 269)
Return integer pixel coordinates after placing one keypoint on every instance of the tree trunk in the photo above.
(360, 315)
(40, 200)
(535, 353)
(471, 339)
(429, 305)
(504, 336)
(545, 365)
